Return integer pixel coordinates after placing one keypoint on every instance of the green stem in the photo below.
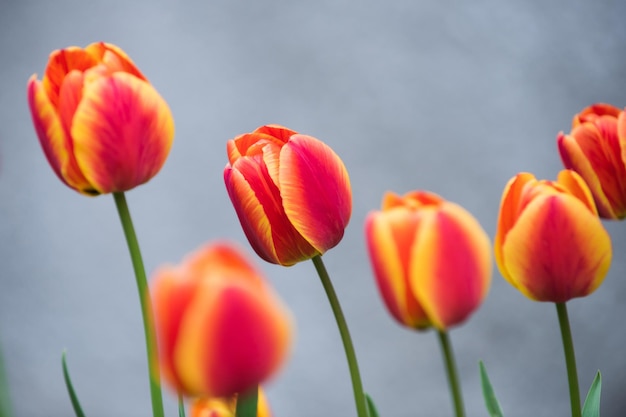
(357, 386)
(146, 305)
(5, 398)
(453, 378)
(181, 406)
(247, 403)
(570, 358)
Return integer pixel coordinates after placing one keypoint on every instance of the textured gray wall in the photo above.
(450, 96)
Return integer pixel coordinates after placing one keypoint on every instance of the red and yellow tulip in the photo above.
(291, 192)
(225, 407)
(102, 126)
(596, 149)
(222, 329)
(550, 243)
(431, 259)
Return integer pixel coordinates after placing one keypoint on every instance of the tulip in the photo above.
(291, 193)
(596, 149)
(550, 243)
(222, 330)
(225, 407)
(431, 259)
(102, 126)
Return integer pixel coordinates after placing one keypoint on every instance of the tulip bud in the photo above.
(102, 126)
(431, 259)
(221, 328)
(225, 407)
(291, 193)
(596, 149)
(550, 243)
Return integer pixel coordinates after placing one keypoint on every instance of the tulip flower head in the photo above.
(221, 328)
(431, 259)
(550, 243)
(102, 126)
(596, 149)
(225, 407)
(291, 193)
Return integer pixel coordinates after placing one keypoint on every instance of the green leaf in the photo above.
(247, 403)
(490, 397)
(592, 402)
(70, 389)
(371, 407)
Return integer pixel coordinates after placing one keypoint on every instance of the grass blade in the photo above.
(70, 389)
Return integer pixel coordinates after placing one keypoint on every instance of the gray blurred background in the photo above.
(454, 97)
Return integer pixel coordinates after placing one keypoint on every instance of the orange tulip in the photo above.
(550, 243)
(102, 126)
(596, 149)
(431, 259)
(221, 328)
(291, 193)
(225, 407)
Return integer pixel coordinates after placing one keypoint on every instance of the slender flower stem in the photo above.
(246, 405)
(570, 358)
(146, 305)
(5, 400)
(453, 378)
(357, 386)
(181, 406)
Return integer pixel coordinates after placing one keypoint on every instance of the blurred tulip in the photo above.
(596, 149)
(220, 407)
(222, 329)
(550, 243)
(291, 193)
(431, 259)
(102, 126)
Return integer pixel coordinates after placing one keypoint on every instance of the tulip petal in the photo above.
(54, 141)
(122, 132)
(250, 211)
(252, 340)
(413, 199)
(281, 133)
(607, 161)
(315, 190)
(590, 113)
(574, 158)
(621, 134)
(557, 250)
(231, 337)
(60, 63)
(220, 259)
(510, 207)
(450, 265)
(192, 352)
(576, 186)
(114, 58)
(593, 150)
(258, 205)
(250, 144)
(389, 236)
(171, 293)
(70, 94)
